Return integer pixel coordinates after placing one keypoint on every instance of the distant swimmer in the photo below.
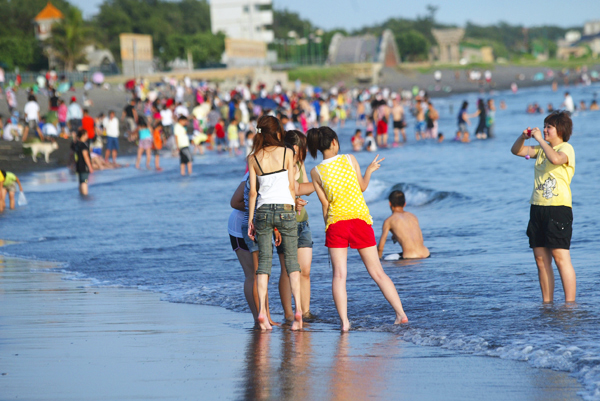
(405, 230)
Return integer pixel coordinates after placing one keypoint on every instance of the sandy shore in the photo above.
(66, 340)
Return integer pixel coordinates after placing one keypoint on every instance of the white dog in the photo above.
(41, 147)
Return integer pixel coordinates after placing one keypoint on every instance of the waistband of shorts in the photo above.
(278, 206)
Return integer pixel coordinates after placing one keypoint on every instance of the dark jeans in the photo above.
(282, 217)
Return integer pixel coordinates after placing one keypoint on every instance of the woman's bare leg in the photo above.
(285, 292)
(305, 260)
(245, 259)
(562, 258)
(543, 259)
(262, 282)
(255, 290)
(295, 287)
(370, 258)
(339, 261)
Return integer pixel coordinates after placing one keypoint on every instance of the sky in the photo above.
(352, 14)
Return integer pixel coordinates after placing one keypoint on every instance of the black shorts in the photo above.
(185, 155)
(550, 227)
(237, 243)
(399, 124)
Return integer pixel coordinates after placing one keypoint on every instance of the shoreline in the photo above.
(76, 338)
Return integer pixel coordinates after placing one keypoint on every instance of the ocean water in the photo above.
(477, 294)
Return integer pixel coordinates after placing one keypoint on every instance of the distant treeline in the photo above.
(179, 27)
(176, 28)
(414, 37)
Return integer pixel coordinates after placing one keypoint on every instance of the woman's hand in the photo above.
(537, 134)
(300, 204)
(375, 164)
(251, 230)
(526, 134)
(277, 236)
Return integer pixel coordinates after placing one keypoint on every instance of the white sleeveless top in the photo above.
(274, 188)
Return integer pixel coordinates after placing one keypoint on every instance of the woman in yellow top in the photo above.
(339, 185)
(551, 215)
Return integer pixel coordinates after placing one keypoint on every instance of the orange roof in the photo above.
(49, 12)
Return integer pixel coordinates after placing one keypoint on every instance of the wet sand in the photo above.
(67, 340)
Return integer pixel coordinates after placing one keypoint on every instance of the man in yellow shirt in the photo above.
(551, 216)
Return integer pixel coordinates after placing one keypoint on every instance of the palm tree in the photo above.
(69, 38)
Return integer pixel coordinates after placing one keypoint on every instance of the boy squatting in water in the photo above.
(405, 230)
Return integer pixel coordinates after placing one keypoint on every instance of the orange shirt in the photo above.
(157, 143)
(87, 123)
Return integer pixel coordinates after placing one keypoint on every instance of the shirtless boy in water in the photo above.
(399, 124)
(405, 230)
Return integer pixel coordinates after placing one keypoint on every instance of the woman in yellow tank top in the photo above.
(339, 184)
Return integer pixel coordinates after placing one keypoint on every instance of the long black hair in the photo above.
(320, 139)
(295, 137)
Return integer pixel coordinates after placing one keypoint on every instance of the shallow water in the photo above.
(478, 293)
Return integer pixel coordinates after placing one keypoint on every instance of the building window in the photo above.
(246, 9)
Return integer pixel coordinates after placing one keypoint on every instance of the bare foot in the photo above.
(297, 325)
(401, 319)
(346, 326)
(263, 322)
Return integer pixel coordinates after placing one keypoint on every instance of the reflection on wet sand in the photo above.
(361, 376)
(284, 366)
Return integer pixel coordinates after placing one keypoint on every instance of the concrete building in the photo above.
(591, 27)
(576, 45)
(243, 19)
(476, 54)
(448, 50)
(137, 54)
(364, 49)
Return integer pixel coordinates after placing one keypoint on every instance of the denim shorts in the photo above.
(112, 143)
(282, 217)
(304, 237)
(252, 245)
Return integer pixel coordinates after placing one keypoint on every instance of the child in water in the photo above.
(551, 216)
(339, 184)
(405, 230)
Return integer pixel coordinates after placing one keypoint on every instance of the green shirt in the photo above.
(9, 179)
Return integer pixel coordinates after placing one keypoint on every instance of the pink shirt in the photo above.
(62, 113)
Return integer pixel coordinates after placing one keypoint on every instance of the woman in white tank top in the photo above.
(271, 168)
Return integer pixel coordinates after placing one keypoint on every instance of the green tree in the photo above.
(163, 20)
(17, 51)
(412, 45)
(69, 38)
(18, 46)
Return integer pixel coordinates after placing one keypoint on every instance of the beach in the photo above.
(135, 290)
(65, 339)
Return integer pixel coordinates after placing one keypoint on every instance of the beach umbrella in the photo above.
(266, 103)
(98, 78)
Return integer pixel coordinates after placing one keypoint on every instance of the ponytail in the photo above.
(320, 139)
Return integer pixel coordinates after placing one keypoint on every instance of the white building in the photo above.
(243, 19)
(591, 27)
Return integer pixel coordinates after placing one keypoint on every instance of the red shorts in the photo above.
(355, 233)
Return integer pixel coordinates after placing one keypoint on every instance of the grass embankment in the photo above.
(553, 63)
(317, 76)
